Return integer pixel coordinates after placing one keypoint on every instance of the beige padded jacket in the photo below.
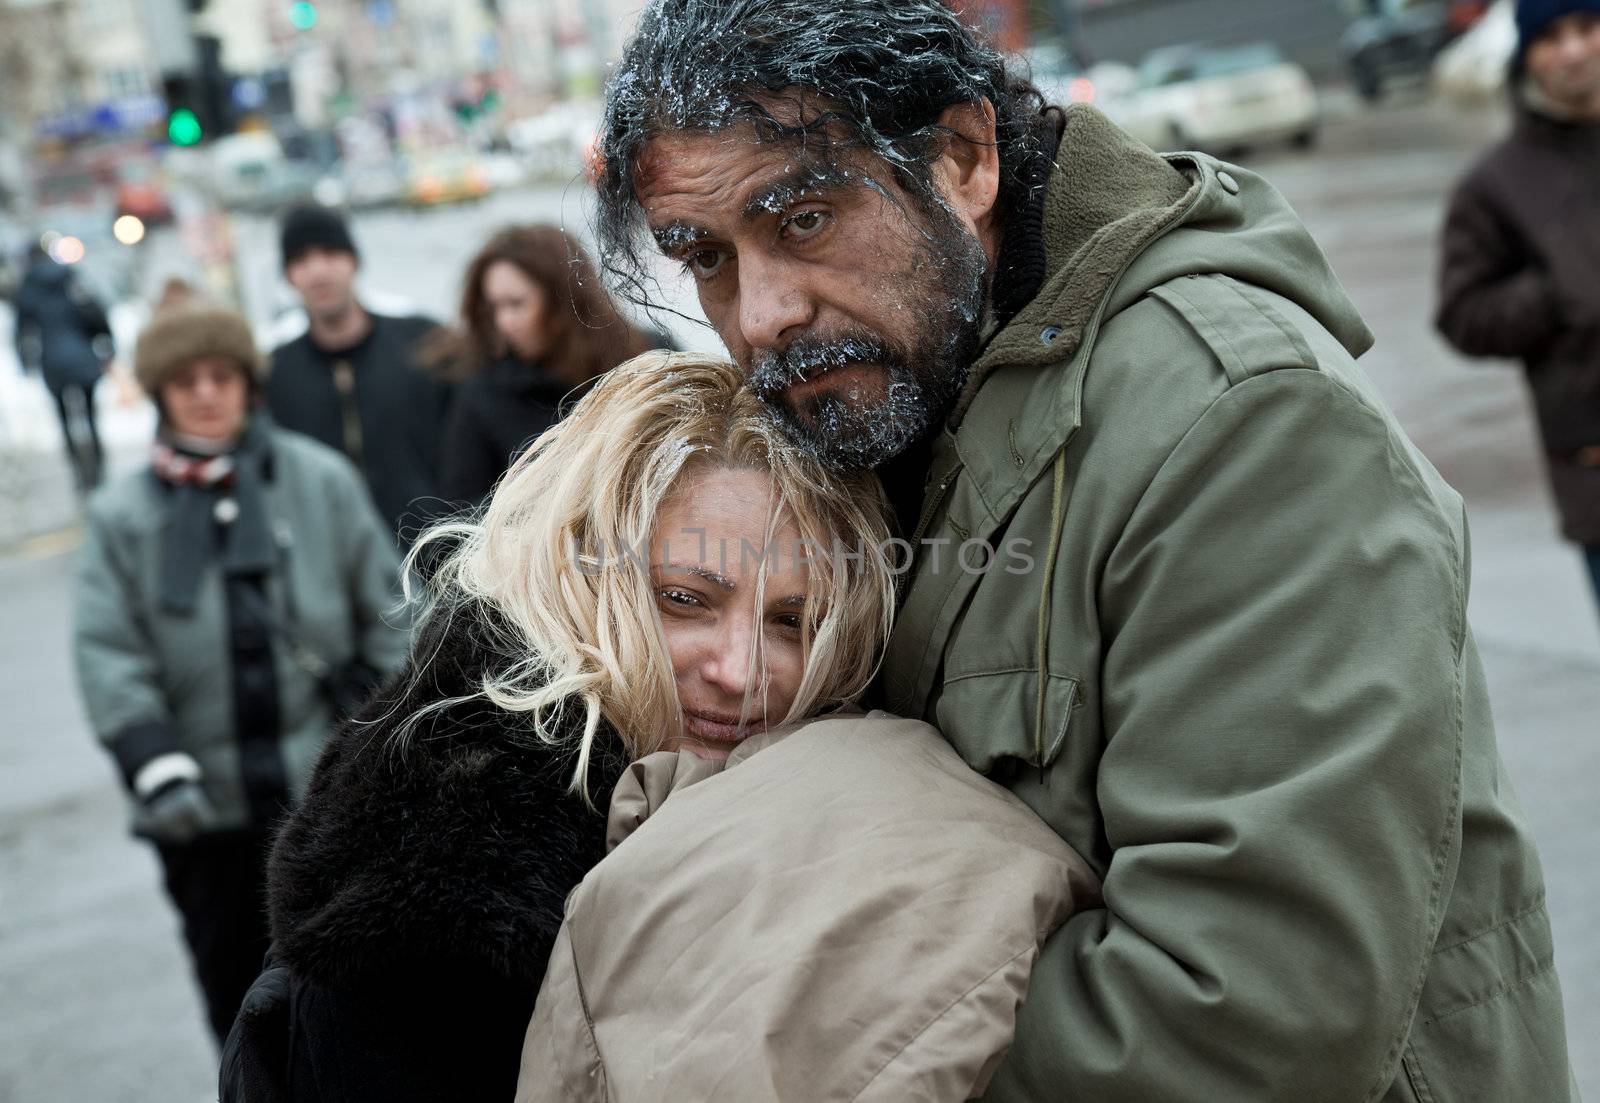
(849, 914)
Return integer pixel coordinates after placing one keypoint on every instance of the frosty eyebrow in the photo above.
(720, 581)
(779, 194)
(723, 582)
(677, 236)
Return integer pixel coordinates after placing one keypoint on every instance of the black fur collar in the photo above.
(455, 851)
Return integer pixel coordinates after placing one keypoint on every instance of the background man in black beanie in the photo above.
(353, 380)
(1520, 275)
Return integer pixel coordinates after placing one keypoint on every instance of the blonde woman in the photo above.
(663, 580)
(598, 611)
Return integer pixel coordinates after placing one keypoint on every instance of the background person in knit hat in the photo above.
(232, 598)
(1520, 272)
(354, 380)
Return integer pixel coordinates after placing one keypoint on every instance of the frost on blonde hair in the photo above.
(556, 570)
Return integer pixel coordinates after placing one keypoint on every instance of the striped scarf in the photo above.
(216, 510)
(179, 469)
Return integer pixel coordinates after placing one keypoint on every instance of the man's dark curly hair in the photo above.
(875, 74)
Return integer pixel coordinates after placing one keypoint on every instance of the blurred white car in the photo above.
(557, 142)
(1474, 67)
(1057, 74)
(1196, 97)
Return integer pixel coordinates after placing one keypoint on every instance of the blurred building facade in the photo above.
(105, 59)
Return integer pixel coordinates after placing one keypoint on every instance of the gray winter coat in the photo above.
(154, 683)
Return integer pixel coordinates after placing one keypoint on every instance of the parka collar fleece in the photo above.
(1120, 220)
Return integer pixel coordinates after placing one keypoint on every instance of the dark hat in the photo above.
(1533, 16)
(312, 226)
(179, 335)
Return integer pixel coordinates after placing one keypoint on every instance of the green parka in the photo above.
(1221, 647)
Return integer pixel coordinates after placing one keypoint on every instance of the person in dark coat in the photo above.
(416, 897)
(232, 598)
(1520, 271)
(63, 333)
(536, 329)
(354, 380)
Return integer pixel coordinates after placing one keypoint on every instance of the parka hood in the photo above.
(1120, 220)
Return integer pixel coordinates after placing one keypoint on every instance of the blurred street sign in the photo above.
(249, 93)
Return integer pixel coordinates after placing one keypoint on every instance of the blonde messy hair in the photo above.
(578, 620)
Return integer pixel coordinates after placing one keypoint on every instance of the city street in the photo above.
(98, 1003)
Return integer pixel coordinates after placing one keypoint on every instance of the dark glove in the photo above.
(174, 813)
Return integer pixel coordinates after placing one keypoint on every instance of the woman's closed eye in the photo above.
(684, 599)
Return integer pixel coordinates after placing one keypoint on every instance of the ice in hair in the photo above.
(868, 77)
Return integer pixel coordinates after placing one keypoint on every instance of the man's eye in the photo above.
(705, 263)
(800, 226)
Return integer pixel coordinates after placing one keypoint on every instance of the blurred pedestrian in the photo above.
(233, 598)
(62, 332)
(1520, 273)
(536, 329)
(353, 380)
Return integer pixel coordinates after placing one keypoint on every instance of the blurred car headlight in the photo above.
(129, 229)
(67, 250)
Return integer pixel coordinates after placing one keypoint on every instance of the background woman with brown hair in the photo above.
(536, 328)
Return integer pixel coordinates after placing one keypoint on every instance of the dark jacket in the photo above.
(414, 898)
(497, 414)
(391, 424)
(1520, 277)
(57, 325)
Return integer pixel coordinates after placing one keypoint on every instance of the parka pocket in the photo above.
(991, 716)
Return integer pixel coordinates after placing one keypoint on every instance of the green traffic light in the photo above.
(183, 127)
(302, 15)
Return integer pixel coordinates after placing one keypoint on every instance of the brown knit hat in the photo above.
(188, 331)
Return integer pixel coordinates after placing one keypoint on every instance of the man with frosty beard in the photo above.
(1234, 671)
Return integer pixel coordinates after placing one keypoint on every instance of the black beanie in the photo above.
(1533, 16)
(309, 226)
